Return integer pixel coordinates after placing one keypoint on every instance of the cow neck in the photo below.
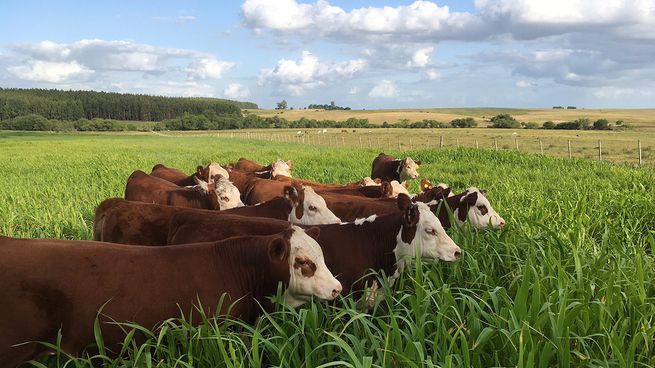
(256, 277)
(384, 234)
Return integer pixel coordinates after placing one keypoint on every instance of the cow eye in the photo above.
(431, 231)
(225, 199)
(312, 208)
(483, 209)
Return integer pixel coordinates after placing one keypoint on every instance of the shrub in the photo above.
(530, 125)
(504, 121)
(549, 125)
(463, 123)
(601, 124)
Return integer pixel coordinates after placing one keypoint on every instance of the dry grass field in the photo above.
(642, 118)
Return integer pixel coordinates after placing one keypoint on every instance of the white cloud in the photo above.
(421, 57)
(432, 74)
(308, 73)
(525, 84)
(53, 72)
(166, 88)
(236, 91)
(384, 89)
(208, 68)
(185, 18)
(354, 90)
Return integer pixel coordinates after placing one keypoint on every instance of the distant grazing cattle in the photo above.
(387, 168)
(180, 178)
(277, 168)
(353, 249)
(51, 287)
(471, 205)
(218, 195)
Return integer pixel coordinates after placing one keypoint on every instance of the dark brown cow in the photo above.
(47, 285)
(384, 190)
(220, 194)
(387, 168)
(176, 176)
(352, 249)
(125, 222)
(349, 208)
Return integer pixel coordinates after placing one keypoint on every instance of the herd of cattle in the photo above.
(180, 241)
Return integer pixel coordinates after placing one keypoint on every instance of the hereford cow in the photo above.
(349, 208)
(471, 205)
(58, 286)
(218, 195)
(384, 190)
(387, 168)
(121, 221)
(396, 187)
(276, 168)
(351, 250)
(178, 177)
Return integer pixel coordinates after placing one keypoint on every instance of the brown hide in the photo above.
(49, 284)
(246, 165)
(256, 190)
(142, 187)
(384, 190)
(443, 208)
(192, 227)
(349, 208)
(173, 175)
(125, 222)
(385, 168)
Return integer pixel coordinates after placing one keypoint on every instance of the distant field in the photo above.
(642, 118)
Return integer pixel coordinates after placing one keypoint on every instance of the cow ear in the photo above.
(470, 199)
(386, 190)
(314, 232)
(291, 194)
(290, 163)
(425, 185)
(278, 249)
(199, 170)
(404, 202)
(378, 181)
(410, 217)
(418, 162)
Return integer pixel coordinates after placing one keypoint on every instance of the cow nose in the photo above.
(458, 253)
(337, 290)
(501, 224)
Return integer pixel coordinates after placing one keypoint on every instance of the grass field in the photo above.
(641, 118)
(569, 282)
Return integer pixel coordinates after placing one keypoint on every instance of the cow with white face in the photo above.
(207, 173)
(477, 210)
(309, 208)
(309, 276)
(396, 187)
(387, 168)
(281, 168)
(422, 234)
(408, 169)
(222, 193)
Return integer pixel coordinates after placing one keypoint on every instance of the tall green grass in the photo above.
(569, 282)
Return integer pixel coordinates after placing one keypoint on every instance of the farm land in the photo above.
(569, 281)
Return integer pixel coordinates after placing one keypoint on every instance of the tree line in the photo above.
(74, 105)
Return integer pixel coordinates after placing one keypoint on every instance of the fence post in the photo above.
(457, 139)
(388, 143)
(516, 140)
(570, 156)
(495, 144)
(411, 146)
(600, 151)
(399, 144)
(541, 147)
(369, 142)
(639, 149)
(441, 142)
(360, 142)
(476, 144)
(343, 141)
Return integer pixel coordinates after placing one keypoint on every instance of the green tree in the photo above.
(282, 105)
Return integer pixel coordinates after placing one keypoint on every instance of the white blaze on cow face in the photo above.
(480, 215)
(367, 181)
(227, 195)
(430, 241)
(408, 169)
(282, 168)
(397, 188)
(314, 210)
(216, 169)
(309, 276)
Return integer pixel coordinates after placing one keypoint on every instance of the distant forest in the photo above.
(74, 105)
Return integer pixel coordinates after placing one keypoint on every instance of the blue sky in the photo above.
(362, 54)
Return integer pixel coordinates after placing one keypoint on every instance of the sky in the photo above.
(362, 54)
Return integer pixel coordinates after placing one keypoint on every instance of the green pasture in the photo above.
(569, 282)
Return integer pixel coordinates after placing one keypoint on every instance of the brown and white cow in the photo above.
(218, 195)
(387, 168)
(47, 286)
(120, 221)
(352, 249)
(350, 208)
(276, 168)
(384, 190)
(204, 173)
(396, 187)
(472, 205)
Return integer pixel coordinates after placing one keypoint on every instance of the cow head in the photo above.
(397, 188)
(309, 276)
(421, 234)
(281, 167)
(367, 181)
(207, 173)
(475, 207)
(308, 208)
(222, 193)
(408, 168)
